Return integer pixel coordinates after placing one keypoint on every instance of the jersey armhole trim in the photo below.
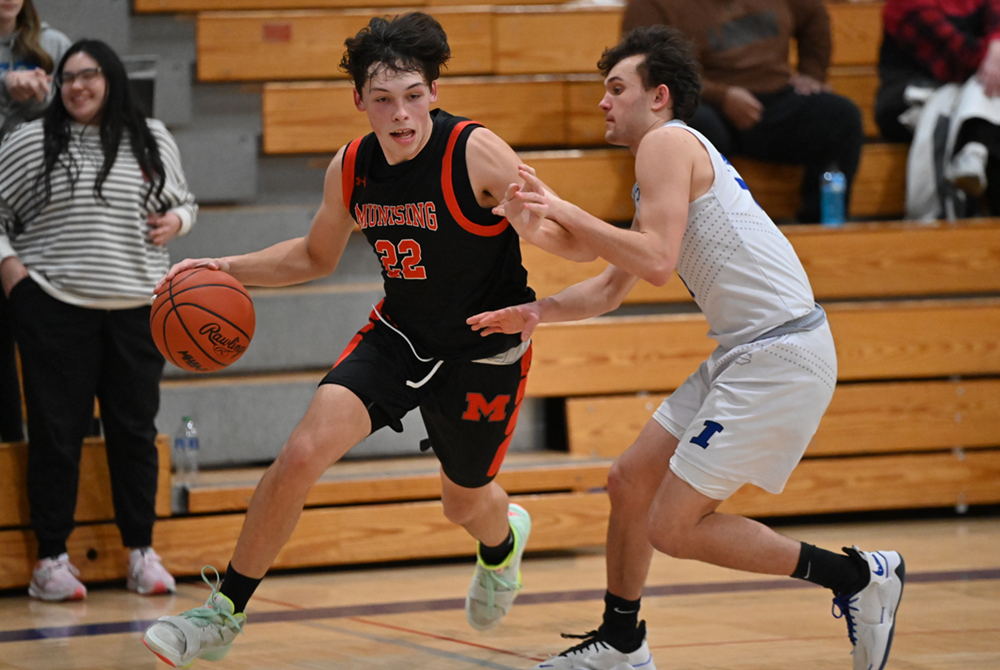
(347, 171)
(448, 187)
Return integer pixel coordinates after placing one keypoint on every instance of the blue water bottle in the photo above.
(832, 194)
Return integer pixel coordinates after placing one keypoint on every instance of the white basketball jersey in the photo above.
(740, 269)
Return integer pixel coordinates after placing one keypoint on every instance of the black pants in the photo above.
(11, 428)
(69, 355)
(809, 130)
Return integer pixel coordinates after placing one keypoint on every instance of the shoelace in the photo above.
(146, 556)
(590, 639)
(844, 604)
(491, 581)
(210, 613)
(51, 565)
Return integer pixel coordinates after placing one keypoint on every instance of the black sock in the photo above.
(621, 620)
(841, 573)
(498, 554)
(238, 588)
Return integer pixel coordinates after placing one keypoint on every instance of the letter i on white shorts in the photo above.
(748, 413)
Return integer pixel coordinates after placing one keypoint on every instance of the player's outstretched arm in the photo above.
(583, 300)
(296, 260)
(493, 171)
(649, 249)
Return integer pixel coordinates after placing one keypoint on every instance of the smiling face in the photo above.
(628, 106)
(84, 96)
(398, 105)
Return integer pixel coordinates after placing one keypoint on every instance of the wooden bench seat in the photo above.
(875, 340)
(863, 418)
(418, 530)
(94, 498)
(600, 181)
(308, 44)
(854, 261)
(527, 111)
(192, 6)
(401, 479)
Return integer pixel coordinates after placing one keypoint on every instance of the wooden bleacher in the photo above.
(94, 513)
(915, 310)
(301, 44)
(194, 6)
(532, 104)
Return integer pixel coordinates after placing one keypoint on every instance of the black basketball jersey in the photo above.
(444, 258)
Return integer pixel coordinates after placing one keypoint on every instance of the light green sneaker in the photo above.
(494, 587)
(203, 632)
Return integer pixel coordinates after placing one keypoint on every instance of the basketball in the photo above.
(203, 321)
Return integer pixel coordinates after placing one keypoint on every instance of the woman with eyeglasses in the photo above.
(89, 195)
(29, 50)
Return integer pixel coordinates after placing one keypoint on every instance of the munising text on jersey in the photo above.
(418, 215)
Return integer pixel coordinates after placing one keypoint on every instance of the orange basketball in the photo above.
(203, 321)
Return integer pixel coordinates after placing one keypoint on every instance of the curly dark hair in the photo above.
(670, 60)
(413, 42)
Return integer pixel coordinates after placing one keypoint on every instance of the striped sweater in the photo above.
(80, 249)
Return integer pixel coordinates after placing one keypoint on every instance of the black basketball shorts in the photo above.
(469, 409)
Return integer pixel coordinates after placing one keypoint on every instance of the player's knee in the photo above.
(626, 486)
(301, 459)
(461, 508)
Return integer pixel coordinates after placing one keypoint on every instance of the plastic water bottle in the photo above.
(186, 453)
(832, 193)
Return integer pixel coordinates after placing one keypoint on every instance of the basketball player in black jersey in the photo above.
(421, 186)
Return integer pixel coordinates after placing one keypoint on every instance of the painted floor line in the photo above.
(384, 609)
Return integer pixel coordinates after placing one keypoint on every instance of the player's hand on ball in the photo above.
(187, 264)
(516, 319)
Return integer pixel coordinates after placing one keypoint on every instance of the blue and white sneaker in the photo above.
(594, 653)
(494, 587)
(871, 612)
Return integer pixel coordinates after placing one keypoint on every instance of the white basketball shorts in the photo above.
(747, 414)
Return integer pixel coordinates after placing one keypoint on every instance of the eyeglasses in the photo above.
(86, 76)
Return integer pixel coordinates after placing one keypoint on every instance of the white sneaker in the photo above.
(56, 579)
(203, 632)
(146, 574)
(967, 169)
(594, 653)
(871, 612)
(494, 588)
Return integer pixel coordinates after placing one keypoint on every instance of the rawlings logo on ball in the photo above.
(222, 345)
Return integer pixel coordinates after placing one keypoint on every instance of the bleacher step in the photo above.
(247, 419)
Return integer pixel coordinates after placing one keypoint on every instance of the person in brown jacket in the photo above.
(754, 104)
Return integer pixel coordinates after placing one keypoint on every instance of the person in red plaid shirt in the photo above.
(929, 43)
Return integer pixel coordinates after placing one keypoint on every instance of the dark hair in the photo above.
(413, 42)
(119, 115)
(27, 44)
(670, 60)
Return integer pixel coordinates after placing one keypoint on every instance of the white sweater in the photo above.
(79, 249)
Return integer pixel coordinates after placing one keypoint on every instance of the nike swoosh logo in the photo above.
(880, 570)
(625, 611)
(809, 567)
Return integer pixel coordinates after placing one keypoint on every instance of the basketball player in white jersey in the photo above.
(747, 414)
